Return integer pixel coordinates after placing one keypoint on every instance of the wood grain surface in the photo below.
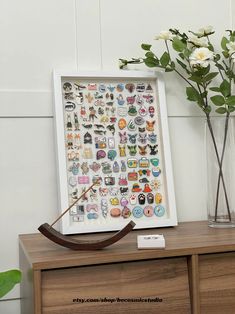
(186, 239)
(194, 274)
(217, 283)
(137, 284)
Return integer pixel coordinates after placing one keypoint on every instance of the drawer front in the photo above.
(153, 286)
(217, 283)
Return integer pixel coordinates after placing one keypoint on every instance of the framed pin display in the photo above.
(111, 128)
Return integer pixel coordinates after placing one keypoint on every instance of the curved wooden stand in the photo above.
(73, 244)
(55, 236)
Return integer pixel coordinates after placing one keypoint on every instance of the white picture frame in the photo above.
(81, 132)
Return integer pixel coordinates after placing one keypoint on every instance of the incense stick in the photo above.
(81, 196)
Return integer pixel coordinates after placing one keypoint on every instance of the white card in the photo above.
(153, 241)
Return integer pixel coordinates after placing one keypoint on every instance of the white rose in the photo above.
(201, 42)
(201, 56)
(231, 49)
(165, 35)
(205, 30)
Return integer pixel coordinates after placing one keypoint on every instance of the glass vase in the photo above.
(220, 150)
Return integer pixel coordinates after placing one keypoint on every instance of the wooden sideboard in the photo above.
(195, 273)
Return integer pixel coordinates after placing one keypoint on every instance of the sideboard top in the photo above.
(186, 239)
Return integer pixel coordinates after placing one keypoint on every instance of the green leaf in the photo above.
(178, 45)
(187, 52)
(192, 94)
(146, 46)
(224, 41)
(210, 76)
(204, 94)
(230, 74)
(225, 88)
(181, 55)
(215, 89)
(172, 64)
(149, 54)
(219, 66)
(225, 53)
(207, 109)
(202, 71)
(221, 110)
(168, 70)
(230, 101)
(195, 78)
(210, 47)
(232, 38)
(165, 58)
(206, 70)
(231, 109)
(8, 280)
(218, 100)
(151, 62)
(183, 65)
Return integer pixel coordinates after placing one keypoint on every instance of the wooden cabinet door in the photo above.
(217, 283)
(152, 286)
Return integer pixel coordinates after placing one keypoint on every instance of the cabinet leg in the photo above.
(193, 271)
(37, 292)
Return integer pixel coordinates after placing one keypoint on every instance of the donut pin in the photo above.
(148, 211)
(159, 210)
(137, 212)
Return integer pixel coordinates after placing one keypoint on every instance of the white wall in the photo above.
(37, 36)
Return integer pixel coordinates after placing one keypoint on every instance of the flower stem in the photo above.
(219, 163)
(220, 170)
